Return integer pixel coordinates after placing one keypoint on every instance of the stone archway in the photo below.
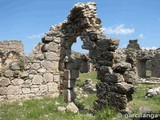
(112, 90)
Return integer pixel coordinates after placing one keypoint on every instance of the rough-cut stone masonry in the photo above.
(139, 58)
(52, 69)
(11, 45)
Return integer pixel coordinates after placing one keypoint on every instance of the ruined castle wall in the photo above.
(51, 66)
(35, 76)
(11, 45)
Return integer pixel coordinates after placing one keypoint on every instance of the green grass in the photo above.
(84, 76)
(139, 99)
(46, 109)
(35, 109)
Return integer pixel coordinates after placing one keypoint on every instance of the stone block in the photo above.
(42, 70)
(37, 79)
(34, 89)
(26, 90)
(15, 66)
(51, 56)
(8, 73)
(24, 75)
(48, 77)
(2, 98)
(47, 39)
(35, 66)
(32, 72)
(72, 108)
(56, 78)
(13, 90)
(121, 67)
(53, 87)
(113, 78)
(3, 91)
(17, 81)
(56, 65)
(122, 88)
(4, 82)
(39, 56)
(43, 88)
(50, 47)
(119, 101)
(47, 65)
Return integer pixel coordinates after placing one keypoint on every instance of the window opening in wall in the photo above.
(85, 86)
(148, 68)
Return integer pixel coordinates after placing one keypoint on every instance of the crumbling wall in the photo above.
(29, 78)
(138, 58)
(11, 45)
(51, 66)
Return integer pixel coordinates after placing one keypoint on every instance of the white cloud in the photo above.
(141, 36)
(121, 29)
(149, 48)
(36, 36)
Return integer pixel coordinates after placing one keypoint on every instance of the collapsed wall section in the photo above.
(11, 45)
(52, 70)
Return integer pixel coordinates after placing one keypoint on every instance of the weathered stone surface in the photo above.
(51, 47)
(35, 88)
(3, 91)
(121, 67)
(13, 90)
(56, 78)
(17, 81)
(37, 79)
(117, 100)
(51, 56)
(8, 73)
(56, 65)
(15, 66)
(122, 88)
(12, 45)
(41, 70)
(53, 87)
(39, 56)
(113, 78)
(24, 75)
(155, 91)
(130, 76)
(43, 88)
(48, 77)
(16, 73)
(26, 90)
(32, 72)
(35, 66)
(72, 107)
(4, 82)
(133, 44)
(47, 65)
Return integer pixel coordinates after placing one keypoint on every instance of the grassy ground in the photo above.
(46, 109)
(140, 101)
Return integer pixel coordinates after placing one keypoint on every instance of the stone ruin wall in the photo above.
(51, 70)
(26, 77)
(138, 58)
(11, 45)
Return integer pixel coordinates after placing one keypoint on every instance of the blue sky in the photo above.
(28, 20)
